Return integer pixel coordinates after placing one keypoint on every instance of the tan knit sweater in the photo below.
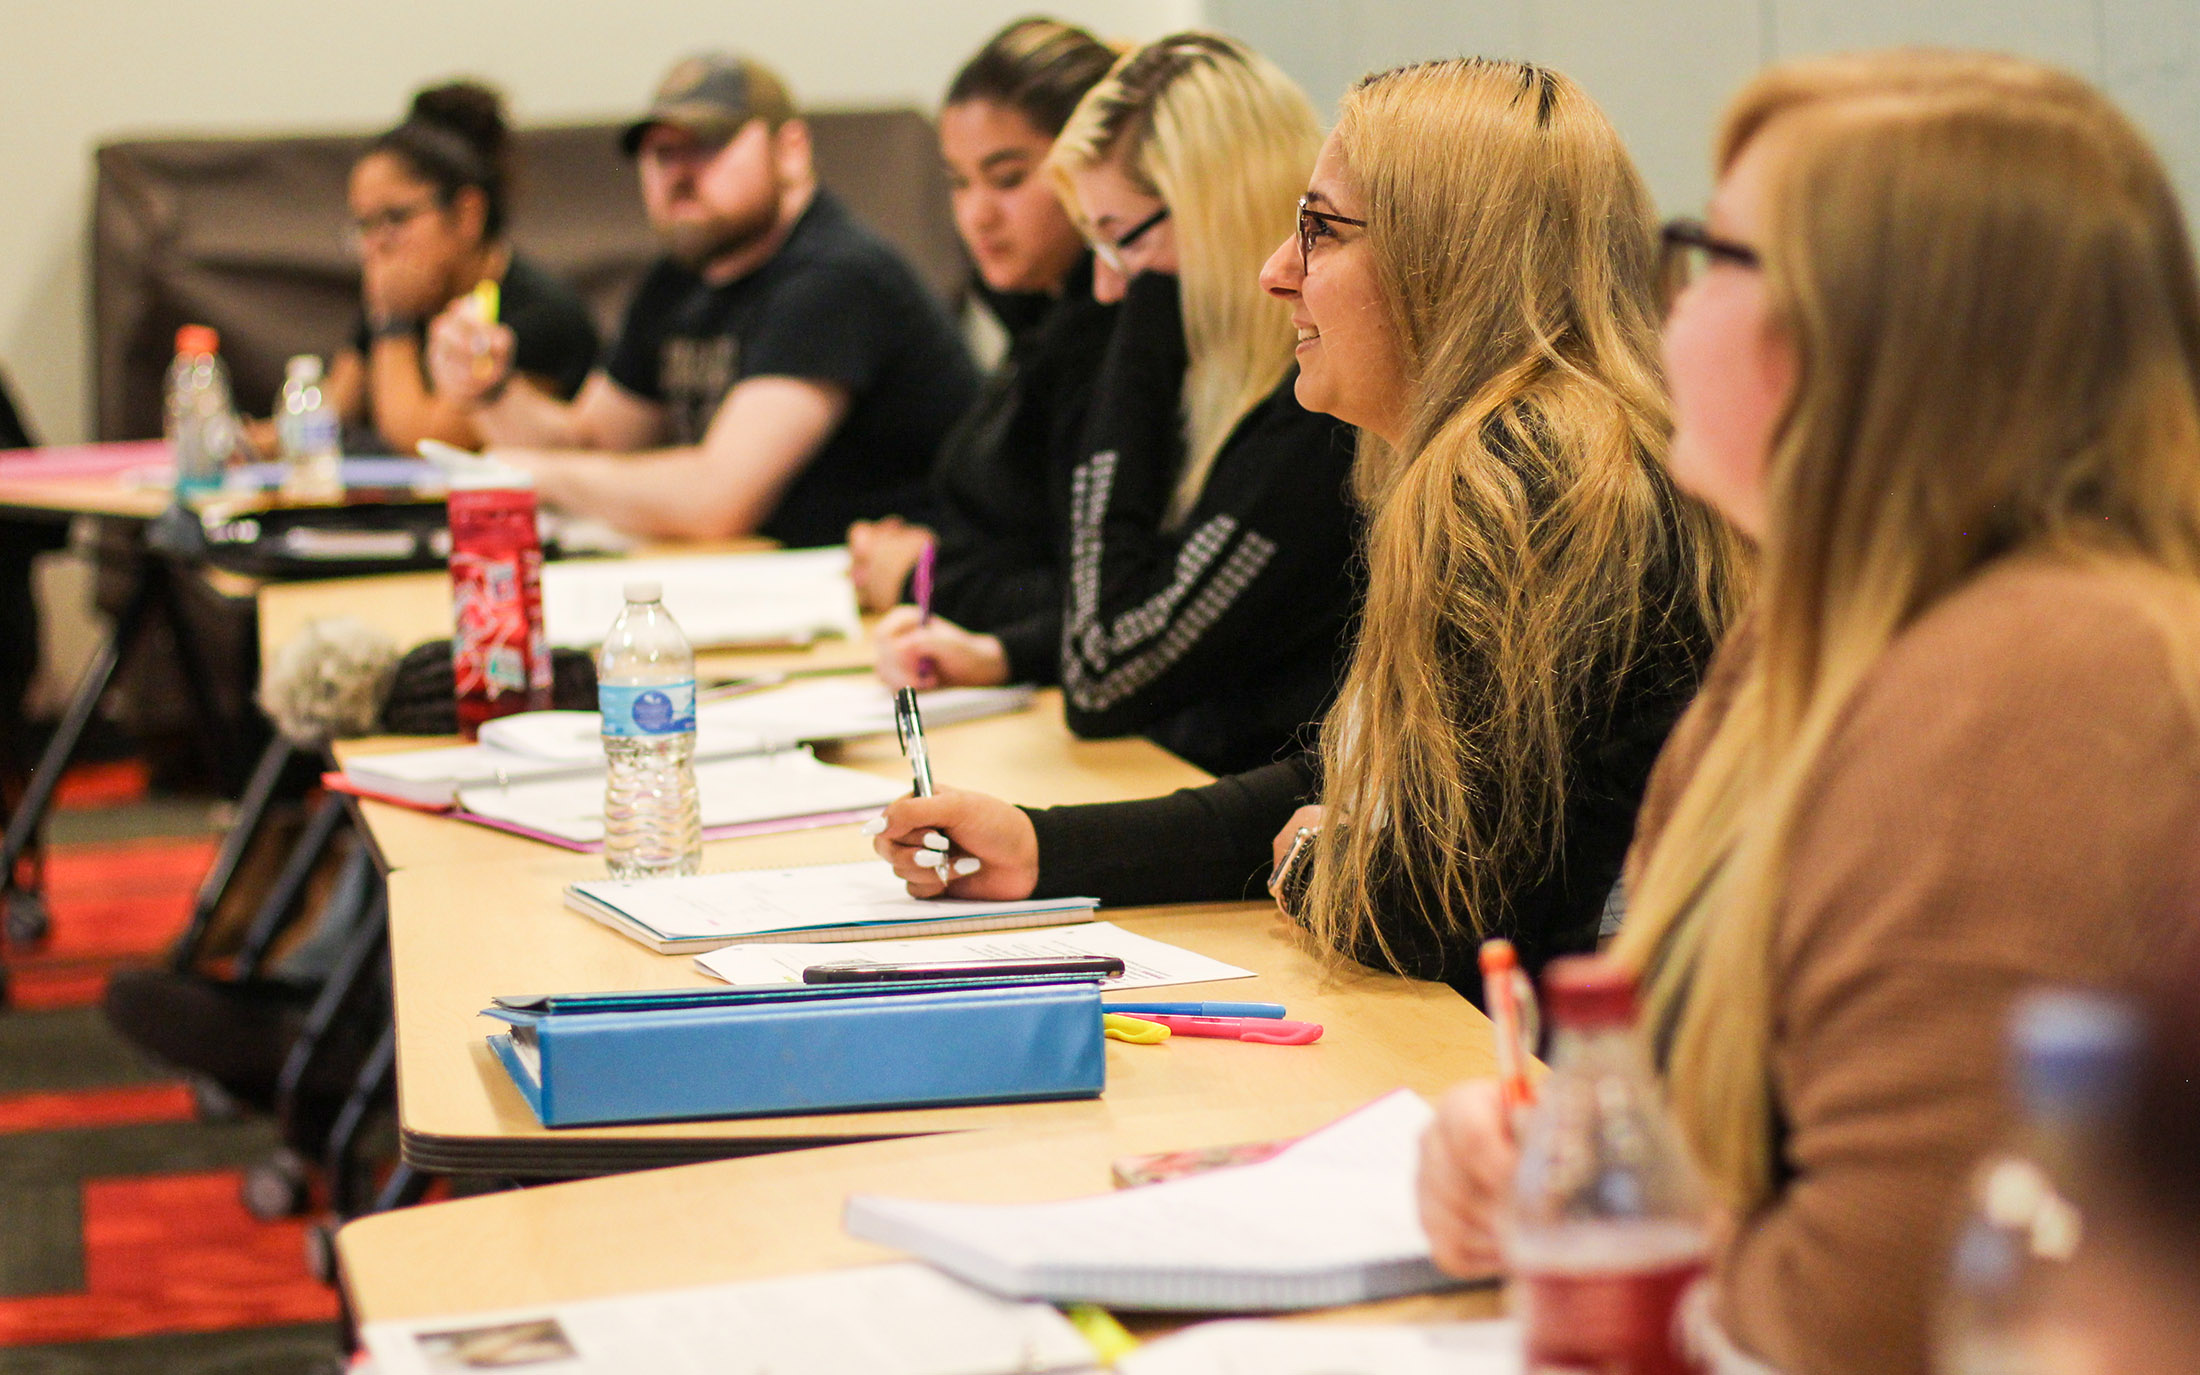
(2012, 799)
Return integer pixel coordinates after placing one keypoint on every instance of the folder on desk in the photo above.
(667, 1055)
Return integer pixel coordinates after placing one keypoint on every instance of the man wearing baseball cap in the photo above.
(781, 371)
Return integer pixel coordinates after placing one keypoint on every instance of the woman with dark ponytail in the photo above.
(429, 211)
(1002, 473)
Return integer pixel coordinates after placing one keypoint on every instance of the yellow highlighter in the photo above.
(487, 298)
(1117, 1027)
(1107, 1337)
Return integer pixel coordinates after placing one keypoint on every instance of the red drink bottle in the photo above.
(1607, 1228)
(500, 658)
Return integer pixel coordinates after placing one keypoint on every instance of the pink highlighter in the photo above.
(1268, 1030)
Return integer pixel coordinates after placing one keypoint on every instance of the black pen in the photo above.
(909, 727)
(856, 971)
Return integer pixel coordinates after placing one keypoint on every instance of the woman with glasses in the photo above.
(1472, 283)
(1209, 539)
(429, 202)
(997, 541)
(1955, 752)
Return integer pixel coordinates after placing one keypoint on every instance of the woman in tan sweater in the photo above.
(1941, 363)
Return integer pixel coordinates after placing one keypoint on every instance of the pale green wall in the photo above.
(1663, 70)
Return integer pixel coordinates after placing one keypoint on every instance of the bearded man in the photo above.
(781, 371)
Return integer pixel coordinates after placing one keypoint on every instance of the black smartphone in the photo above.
(1095, 966)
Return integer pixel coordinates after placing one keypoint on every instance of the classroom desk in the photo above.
(780, 1215)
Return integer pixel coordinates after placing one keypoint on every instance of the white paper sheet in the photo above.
(792, 597)
(765, 787)
(882, 1319)
(1147, 963)
(751, 902)
(1279, 1348)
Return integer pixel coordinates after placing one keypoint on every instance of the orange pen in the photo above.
(1504, 991)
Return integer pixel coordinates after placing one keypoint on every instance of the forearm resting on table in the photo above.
(405, 411)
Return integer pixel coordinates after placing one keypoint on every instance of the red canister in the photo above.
(500, 658)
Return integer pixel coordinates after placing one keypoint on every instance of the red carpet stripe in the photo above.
(174, 1253)
(115, 1107)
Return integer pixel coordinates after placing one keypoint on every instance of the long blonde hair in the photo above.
(1524, 547)
(1987, 284)
(1225, 140)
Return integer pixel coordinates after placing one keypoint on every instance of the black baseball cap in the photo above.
(712, 95)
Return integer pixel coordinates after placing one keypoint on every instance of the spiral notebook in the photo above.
(1330, 1220)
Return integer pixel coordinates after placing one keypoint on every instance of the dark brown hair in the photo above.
(454, 138)
(1039, 68)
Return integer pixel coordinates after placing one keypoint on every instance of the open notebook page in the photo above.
(765, 787)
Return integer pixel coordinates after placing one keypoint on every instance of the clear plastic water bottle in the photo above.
(1607, 1230)
(2072, 1057)
(310, 431)
(645, 687)
(202, 421)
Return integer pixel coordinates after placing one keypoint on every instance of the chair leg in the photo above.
(252, 810)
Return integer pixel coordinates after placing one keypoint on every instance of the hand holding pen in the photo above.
(1469, 1152)
(917, 832)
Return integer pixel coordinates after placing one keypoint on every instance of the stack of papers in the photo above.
(882, 1319)
(789, 598)
(825, 902)
(1330, 1220)
(1147, 963)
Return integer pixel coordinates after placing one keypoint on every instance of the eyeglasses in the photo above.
(1687, 248)
(1314, 224)
(1111, 252)
(389, 220)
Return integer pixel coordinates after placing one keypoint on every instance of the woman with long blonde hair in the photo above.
(1207, 533)
(1474, 285)
(1941, 362)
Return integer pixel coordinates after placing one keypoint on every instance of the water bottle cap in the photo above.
(2073, 1051)
(306, 367)
(1589, 991)
(198, 339)
(644, 591)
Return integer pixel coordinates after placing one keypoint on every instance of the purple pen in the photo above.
(928, 669)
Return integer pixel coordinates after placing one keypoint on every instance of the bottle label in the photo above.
(652, 709)
(1619, 1322)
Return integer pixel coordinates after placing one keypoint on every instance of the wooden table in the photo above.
(780, 1214)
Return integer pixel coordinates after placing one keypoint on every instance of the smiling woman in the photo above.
(1540, 601)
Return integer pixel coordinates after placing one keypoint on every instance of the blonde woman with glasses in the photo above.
(1207, 530)
(1473, 284)
(1940, 360)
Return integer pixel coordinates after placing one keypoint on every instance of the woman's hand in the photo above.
(1467, 1162)
(1288, 836)
(880, 555)
(467, 355)
(915, 652)
(991, 851)
(400, 286)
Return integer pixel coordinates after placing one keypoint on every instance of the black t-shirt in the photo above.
(833, 305)
(553, 338)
